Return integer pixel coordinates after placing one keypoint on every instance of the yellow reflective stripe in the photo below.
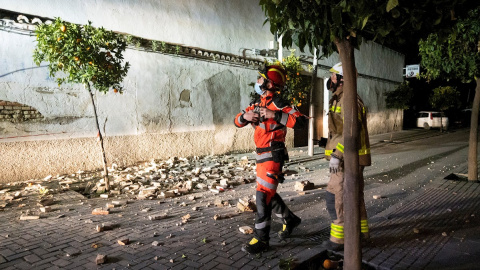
(336, 231)
(364, 151)
(337, 235)
(340, 147)
(336, 109)
(364, 226)
(360, 114)
(337, 227)
(361, 152)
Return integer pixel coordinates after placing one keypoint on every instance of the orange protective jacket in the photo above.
(271, 132)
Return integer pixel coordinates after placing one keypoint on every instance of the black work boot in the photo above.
(288, 228)
(329, 245)
(365, 240)
(255, 246)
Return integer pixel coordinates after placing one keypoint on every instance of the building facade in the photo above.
(174, 104)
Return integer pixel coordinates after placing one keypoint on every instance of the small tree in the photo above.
(83, 54)
(399, 99)
(444, 98)
(297, 85)
(457, 56)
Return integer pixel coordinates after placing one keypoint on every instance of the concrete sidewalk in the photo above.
(436, 227)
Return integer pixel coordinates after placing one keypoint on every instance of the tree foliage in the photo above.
(400, 97)
(82, 54)
(456, 55)
(297, 84)
(444, 98)
(318, 23)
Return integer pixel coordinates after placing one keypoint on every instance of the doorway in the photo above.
(301, 136)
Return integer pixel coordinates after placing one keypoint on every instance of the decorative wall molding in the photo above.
(24, 24)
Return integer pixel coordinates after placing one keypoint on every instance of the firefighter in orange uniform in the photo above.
(334, 153)
(270, 116)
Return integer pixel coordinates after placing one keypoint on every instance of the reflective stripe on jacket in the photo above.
(273, 129)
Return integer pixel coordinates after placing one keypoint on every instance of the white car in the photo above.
(429, 119)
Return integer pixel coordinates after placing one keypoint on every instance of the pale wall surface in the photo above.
(172, 106)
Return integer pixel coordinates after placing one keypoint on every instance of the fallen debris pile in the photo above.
(147, 180)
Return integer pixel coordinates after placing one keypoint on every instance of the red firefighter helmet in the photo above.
(275, 74)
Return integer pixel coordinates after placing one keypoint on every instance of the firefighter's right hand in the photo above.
(251, 116)
(334, 164)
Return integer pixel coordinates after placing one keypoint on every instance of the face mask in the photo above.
(331, 86)
(258, 90)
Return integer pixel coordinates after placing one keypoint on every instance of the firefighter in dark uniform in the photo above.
(270, 116)
(334, 153)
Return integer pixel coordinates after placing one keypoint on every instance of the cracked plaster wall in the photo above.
(172, 106)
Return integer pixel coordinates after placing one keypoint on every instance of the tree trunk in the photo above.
(441, 122)
(473, 141)
(353, 255)
(394, 125)
(100, 139)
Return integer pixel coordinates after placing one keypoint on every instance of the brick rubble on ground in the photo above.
(146, 180)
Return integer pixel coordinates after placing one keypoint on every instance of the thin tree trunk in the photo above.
(441, 122)
(353, 254)
(473, 141)
(100, 139)
(394, 125)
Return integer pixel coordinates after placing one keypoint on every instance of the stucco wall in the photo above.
(172, 106)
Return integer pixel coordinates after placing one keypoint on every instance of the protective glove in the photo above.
(334, 164)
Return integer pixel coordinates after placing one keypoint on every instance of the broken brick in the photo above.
(109, 205)
(246, 229)
(100, 211)
(304, 185)
(28, 217)
(45, 209)
(124, 241)
(219, 203)
(104, 227)
(101, 259)
(157, 217)
(186, 218)
(246, 206)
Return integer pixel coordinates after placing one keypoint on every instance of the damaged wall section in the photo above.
(17, 112)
